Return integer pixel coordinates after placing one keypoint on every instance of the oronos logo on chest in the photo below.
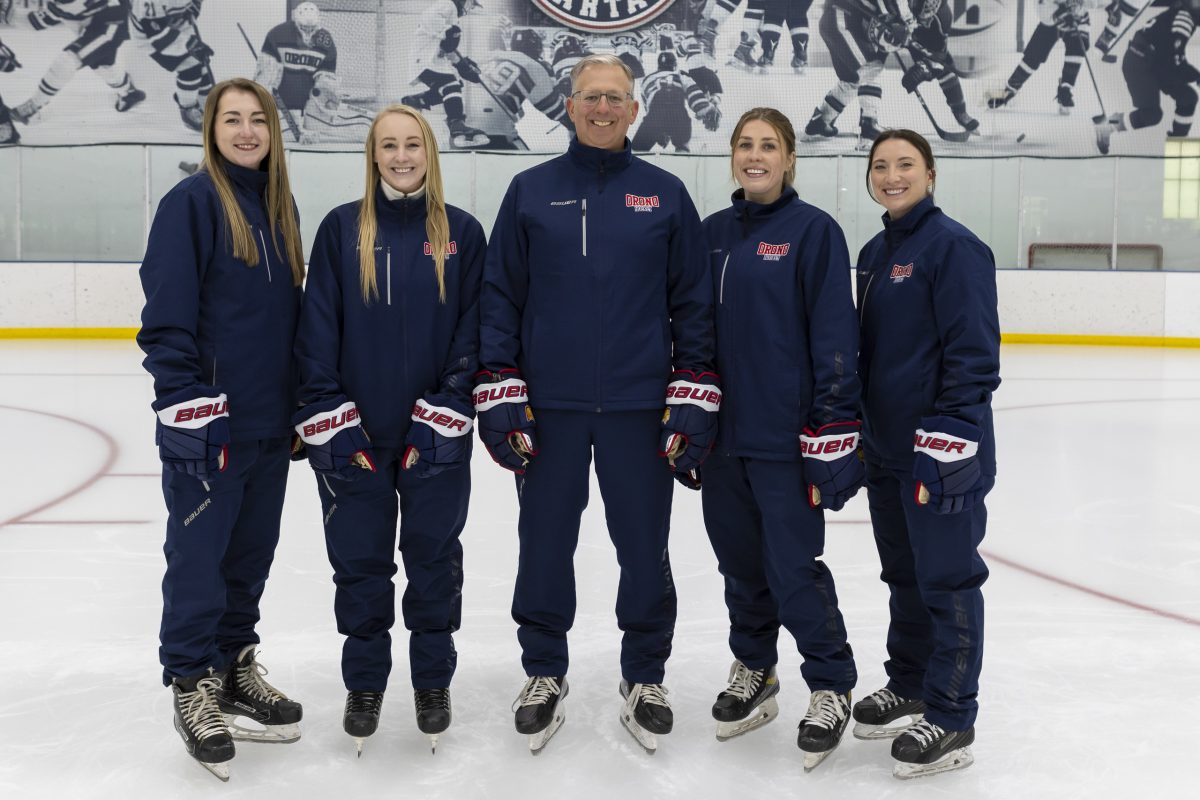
(603, 15)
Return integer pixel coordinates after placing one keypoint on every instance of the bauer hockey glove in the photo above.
(334, 438)
(505, 419)
(949, 478)
(833, 465)
(439, 439)
(689, 423)
(192, 431)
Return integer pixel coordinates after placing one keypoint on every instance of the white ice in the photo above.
(1093, 628)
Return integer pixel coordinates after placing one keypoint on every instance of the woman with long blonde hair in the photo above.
(222, 277)
(388, 344)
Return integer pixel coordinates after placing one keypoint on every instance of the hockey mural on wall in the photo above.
(1066, 78)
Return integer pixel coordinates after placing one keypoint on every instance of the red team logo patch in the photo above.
(451, 248)
(900, 272)
(639, 203)
(773, 252)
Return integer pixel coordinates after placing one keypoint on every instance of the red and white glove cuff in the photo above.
(943, 447)
(320, 428)
(827, 448)
(446, 421)
(705, 395)
(490, 395)
(196, 413)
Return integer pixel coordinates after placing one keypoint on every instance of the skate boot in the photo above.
(875, 713)
(822, 727)
(8, 134)
(433, 713)
(361, 717)
(819, 126)
(463, 136)
(962, 117)
(799, 57)
(417, 101)
(748, 703)
(743, 54)
(130, 98)
(707, 34)
(927, 749)
(646, 713)
(1066, 100)
(997, 100)
(200, 724)
(192, 116)
(25, 112)
(868, 131)
(539, 710)
(244, 693)
(1105, 128)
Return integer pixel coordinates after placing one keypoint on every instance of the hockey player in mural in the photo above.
(794, 14)
(298, 63)
(668, 95)
(1060, 19)
(8, 131)
(852, 33)
(566, 48)
(928, 47)
(102, 26)
(170, 27)
(1155, 64)
(439, 67)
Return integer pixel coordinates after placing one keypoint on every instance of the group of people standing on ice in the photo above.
(602, 319)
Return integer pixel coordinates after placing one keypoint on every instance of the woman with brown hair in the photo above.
(388, 343)
(787, 436)
(222, 277)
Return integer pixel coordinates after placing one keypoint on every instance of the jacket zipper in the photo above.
(721, 294)
(583, 223)
(862, 306)
(389, 274)
(266, 258)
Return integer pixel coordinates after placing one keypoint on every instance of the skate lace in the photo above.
(885, 699)
(200, 709)
(925, 732)
(825, 709)
(250, 681)
(653, 693)
(357, 702)
(427, 699)
(743, 681)
(537, 690)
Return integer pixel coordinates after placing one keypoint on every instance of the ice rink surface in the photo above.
(1090, 669)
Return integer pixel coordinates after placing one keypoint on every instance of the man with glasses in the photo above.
(596, 287)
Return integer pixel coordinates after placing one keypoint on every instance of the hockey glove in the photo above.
(709, 114)
(505, 419)
(468, 69)
(833, 465)
(41, 20)
(451, 40)
(334, 438)
(439, 439)
(915, 75)
(949, 478)
(192, 431)
(690, 420)
(8, 59)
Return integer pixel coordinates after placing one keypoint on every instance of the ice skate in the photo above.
(200, 724)
(539, 710)
(799, 64)
(192, 116)
(244, 693)
(707, 34)
(461, 135)
(748, 703)
(1003, 98)
(868, 132)
(361, 717)
(8, 134)
(1105, 128)
(129, 99)
(874, 715)
(927, 749)
(822, 727)
(818, 126)
(1065, 99)
(25, 112)
(646, 713)
(743, 55)
(964, 119)
(433, 713)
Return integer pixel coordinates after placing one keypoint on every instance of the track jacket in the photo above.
(211, 320)
(405, 344)
(930, 333)
(787, 339)
(596, 283)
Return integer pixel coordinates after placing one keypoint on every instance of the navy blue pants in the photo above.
(360, 537)
(635, 485)
(220, 544)
(932, 567)
(768, 541)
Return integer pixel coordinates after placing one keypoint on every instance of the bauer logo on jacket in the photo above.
(901, 271)
(639, 203)
(451, 248)
(773, 252)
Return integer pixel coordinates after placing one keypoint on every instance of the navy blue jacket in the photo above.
(930, 333)
(405, 344)
(211, 320)
(596, 283)
(787, 338)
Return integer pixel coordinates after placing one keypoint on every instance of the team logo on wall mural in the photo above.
(608, 16)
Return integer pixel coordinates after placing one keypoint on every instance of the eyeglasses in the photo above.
(592, 99)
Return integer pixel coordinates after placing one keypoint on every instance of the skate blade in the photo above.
(266, 734)
(955, 759)
(220, 770)
(358, 744)
(766, 712)
(539, 740)
(870, 733)
(813, 760)
(433, 743)
(645, 738)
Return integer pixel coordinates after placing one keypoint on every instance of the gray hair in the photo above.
(600, 60)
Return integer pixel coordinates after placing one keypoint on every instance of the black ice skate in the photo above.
(748, 703)
(646, 713)
(799, 57)
(819, 126)
(461, 135)
(539, 710)
(997, 100)
(743, 54)
(1066, 100)
(129, 99)
(962, 117)
(822, 727)
(433, 713)
(874, 715)
(200, 724)
(245, 694)
(192, 116)
(926, 749)
(868, 131)
(361, 717)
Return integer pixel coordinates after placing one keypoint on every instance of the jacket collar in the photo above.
(596, 160)
(407, 208)
(909, 222)
(253, 180)
(747, 210)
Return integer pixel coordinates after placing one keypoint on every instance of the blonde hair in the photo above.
(437, 225)
(281, 209)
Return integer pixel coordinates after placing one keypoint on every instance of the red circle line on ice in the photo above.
(606, 16)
